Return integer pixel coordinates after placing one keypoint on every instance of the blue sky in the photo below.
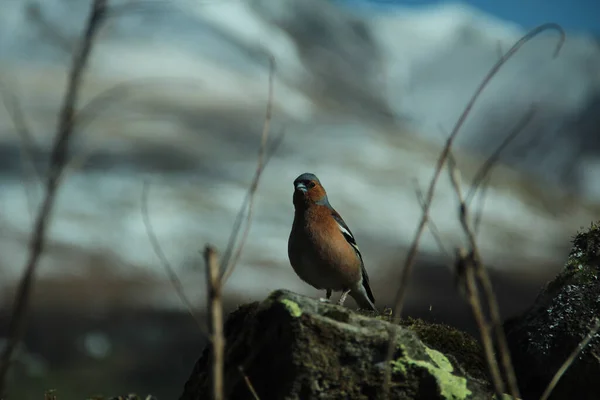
(572, 15)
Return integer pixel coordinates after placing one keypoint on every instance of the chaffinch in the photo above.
(321, 247)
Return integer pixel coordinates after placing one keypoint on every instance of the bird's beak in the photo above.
(301, 187)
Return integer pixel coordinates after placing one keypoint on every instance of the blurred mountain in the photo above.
(364, 99)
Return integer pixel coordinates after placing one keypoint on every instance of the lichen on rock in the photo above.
(293, 347)
(458, 346)
(292, 307)
(451, 386)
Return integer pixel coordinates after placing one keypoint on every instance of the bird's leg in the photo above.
(327, 299)
(343, 297)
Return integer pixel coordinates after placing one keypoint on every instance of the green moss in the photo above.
(386, 315)
(451, 386)
(582, 264)
(329, 350)
(338, 315)
(292, 307)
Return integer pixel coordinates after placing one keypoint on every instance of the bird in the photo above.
(321, 248)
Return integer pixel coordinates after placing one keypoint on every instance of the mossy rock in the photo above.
(562, 315)
(460, 347)
(294, 347)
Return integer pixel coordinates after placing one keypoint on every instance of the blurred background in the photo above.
(365, 93)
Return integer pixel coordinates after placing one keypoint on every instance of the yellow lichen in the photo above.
(451, 386)
(439, 359)
(292, 307)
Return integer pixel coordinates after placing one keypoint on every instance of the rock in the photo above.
(294, 347)
(564, 312)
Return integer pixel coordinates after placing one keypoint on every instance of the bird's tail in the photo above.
(362, 299)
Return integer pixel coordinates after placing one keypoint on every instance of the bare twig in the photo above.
(432, 226)
(465, 272)
(109, 97)
(213, 280)
(479, 211)
(230, 261)
(504, 351)
(484, 279)
(57, 161)
(240, 215)
(482, 176)
(487, 166)
(30, 173)
(412, 252)
(442, 158)
(499, 50)
(163, 259)
(249, 384)
(48, 30)
(570, 360)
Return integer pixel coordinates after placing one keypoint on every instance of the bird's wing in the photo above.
(345, 231)
(352, 241)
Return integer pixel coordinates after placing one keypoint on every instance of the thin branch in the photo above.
(505, 357)
(432, 226)
(214, 282)
(48, 30)
(154, 242)
(499, 50)
(570, 360)
(108, 97)
(249, 384)
(487, 166)
(479, 212)
(228, 261)
(240, 215)
(465, 273)
(104, 100)
(410, 258)
(411, 255)
(57, 161)
(30, 173)
(484, 279)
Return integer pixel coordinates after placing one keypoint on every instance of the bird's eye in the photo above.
(311, 185)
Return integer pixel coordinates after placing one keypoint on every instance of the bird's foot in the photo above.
(343, 297)
(323, 300)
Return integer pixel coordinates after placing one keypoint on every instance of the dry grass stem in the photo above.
(488, 165)
(465, 272)
(482, 276)
(410, 258)
(474, 264)
(156, 247)
(214, 282)
(432, 226)
(230, 261)
(31, 176)
(58, 159)
(110, 98)
(412, 252)
(479, 210)
(249, 384)
(49, 31)
(570, 360)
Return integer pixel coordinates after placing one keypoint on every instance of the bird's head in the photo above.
(308, 190)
